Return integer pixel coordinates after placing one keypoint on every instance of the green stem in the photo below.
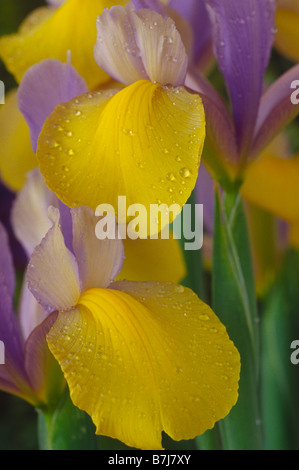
(66, 428)
(234, 301)
(196, 280)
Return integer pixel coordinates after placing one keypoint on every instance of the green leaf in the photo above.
(66, 428)
(279, 376)
(234, 301)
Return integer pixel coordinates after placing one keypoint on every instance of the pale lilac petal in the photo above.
(276, 110)
(52, 272)
(38, 356)
(243, 34)
(99, 261)
(195, 12)
(44, 86)
(66, 225)
(30, 312)
(136, 45)
(182, 24)
(30, 220)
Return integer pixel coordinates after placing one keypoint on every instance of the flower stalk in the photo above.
(234, 301)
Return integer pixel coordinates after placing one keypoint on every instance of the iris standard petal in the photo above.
(276, 110)
(51, 274)
(143, 142)
(43, 87)
(155, 5)
(29, 216)
(17, 157)
(99, 261)
(71, 27)
(144, 358)
(195, 13)
(243, 37)
(136, 45)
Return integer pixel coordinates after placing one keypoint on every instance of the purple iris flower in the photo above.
(195, 12)
(7, 198)
(27, 369)
(243, 34)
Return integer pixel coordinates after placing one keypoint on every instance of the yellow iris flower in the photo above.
(49, 33)
(143, 141)
(139, 357)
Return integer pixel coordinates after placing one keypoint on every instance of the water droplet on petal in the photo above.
(171, 177)
(185, 172)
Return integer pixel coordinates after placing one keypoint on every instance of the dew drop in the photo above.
(203, 316)
(170, 177)
(180, 289)
(129, 132)
(168, 39)
(185, 172)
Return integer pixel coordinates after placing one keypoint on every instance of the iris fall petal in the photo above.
(143, 142)
(163, 345)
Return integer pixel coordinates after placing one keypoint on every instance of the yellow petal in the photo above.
(16, 154)
(287, 36)
(52, 33)
(158, 260)
(272, 184)
(144, 358)
(143, 142)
